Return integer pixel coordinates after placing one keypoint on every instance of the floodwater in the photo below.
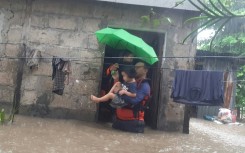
(42, 135)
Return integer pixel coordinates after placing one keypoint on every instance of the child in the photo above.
(120, 90)
(112, 76)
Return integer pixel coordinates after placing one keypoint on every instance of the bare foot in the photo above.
(94, 99)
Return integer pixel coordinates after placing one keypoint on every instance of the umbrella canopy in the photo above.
(121, 39)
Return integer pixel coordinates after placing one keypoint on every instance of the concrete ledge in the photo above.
(58, 113)
(171, 126)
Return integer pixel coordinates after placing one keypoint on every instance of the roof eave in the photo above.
(154, 3)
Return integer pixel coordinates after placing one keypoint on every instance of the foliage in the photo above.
(233, 43)
(218, 15)
(227, 17)
(154, 20)
(240, 91)
(2, 116)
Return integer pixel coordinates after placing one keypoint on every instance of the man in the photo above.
(132, 118)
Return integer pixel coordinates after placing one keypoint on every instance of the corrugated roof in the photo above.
(156, 3)
(202, 54)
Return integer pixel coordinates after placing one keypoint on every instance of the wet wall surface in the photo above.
(43, 135)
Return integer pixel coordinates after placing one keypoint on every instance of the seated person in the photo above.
(120, 91)
(109, 78)
(132, 118)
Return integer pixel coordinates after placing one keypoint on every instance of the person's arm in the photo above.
(143, 91)
(125, 92)
(112, 67)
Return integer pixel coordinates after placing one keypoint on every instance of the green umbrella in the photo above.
(121, 39)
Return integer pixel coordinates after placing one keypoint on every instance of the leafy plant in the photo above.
(154, 20)
(216, 14)
(233, 43)
(2, 116)
(240, 91)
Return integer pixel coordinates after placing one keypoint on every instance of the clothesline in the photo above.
(154, 67)
(163, 57)
(77, 59)
(173, 69)
(108, 57)
(46, 45)
(85, 60)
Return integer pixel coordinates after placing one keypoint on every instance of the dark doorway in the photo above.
(154, 39)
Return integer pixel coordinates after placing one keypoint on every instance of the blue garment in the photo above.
(142, 90)
(198, 87)
(118, 101)
(130, 87)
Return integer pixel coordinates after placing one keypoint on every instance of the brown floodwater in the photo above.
(44, 135)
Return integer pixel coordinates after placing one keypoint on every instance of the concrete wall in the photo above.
(66, 28)
(171, 114)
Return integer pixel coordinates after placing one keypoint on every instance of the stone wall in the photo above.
(56, 28)
(66, 29)
(172, 116)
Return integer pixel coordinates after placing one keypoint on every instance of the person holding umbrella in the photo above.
(121, 39)
(131, 119)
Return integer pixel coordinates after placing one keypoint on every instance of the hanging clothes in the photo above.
(67, 70)
(228, 89)
(60, 75)
(33, 58)
(197, 87)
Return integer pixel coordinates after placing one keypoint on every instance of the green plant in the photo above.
(218, 15)
(233, 43)
(154, 20)
(240, 91)
(2, 116)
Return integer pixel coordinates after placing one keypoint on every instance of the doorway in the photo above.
(157, 41)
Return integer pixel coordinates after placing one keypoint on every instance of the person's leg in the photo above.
(102, 99)
(118, 102)
(115, 88)
(135, 126)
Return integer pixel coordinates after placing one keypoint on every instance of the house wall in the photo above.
(66, 29)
